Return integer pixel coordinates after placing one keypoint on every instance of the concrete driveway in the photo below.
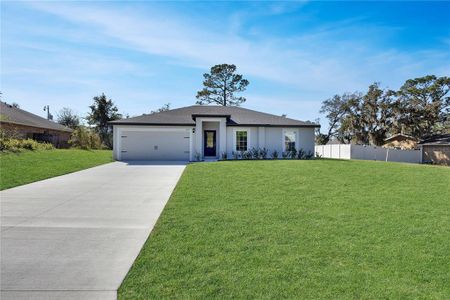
(76, 236)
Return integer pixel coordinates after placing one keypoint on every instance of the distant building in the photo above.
(401, 141)
(23, 124)
(436, 149)
(335, 141)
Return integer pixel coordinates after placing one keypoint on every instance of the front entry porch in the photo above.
(210, 138)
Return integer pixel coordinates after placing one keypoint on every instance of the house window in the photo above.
(289, 140)
(241, 140)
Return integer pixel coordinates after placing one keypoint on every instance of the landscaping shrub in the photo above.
(84, 138)
(309, 155)
(258, 153)
(275, 154)
(254, 153)
(293, 153)
(263, 153)
(301, 154)
(17, 145)
(247, 155)
(224, 156)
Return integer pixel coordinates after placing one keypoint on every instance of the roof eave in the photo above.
(231, 125)
(35, 126)
(276, 125)
(151, 124)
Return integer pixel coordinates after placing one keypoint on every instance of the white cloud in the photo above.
(310, 62)
(334, 58)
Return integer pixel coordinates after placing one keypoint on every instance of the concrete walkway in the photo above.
(76, 236)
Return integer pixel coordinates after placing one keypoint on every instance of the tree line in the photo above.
(420, 108)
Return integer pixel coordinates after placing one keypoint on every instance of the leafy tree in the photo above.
(84, 138)
(165, 107)
(335, 110)
(420, 108)
(359, 118)
(68, 118)
(103, 111)
(220, 85)
(424, 106)
(371, 117)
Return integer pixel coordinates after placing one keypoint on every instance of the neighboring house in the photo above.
(436, 149)
(23, 124)
(202, 131)
(335, 141)
(401, 141)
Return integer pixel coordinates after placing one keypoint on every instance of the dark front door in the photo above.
(209, 142)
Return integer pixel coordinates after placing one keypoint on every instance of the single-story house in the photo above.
(22, 124)
(206, 131)
(401, 141)
(436, 149)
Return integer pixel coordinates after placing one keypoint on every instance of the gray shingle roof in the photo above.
(236, 116)
(438, 139)
(14, 115)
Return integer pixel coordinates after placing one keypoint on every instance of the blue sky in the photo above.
(145, 54)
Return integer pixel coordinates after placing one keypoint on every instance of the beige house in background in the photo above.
(401, 141)
(25, 125)
(436, 149)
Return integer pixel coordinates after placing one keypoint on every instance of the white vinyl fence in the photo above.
(344, 151)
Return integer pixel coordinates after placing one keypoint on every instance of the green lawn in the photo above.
(322, 229)
(25, 167)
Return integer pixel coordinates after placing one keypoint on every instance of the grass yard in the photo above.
(323, 229)
(29, 166)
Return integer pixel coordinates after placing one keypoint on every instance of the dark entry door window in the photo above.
(210, 142)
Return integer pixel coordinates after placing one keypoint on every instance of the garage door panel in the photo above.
(155, 145)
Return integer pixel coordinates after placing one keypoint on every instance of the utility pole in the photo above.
(49, 115)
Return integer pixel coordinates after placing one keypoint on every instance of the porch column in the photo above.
(198, 138)
(223, 137)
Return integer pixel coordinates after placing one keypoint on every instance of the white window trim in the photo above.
(234, 137)
(283, 145)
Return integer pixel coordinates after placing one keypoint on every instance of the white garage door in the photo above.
(155, 145)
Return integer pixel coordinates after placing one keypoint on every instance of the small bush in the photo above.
(275, 154)
(309, 155)
(284, 154)
(263, 153)
(17, 145)
(11, 145)
(84, 138)
(254, 153)
(301, 154)
(247, 155)
(224, 156)
(29, 144)
(293, 153)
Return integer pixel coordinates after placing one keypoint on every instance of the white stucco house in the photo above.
(207, 131)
